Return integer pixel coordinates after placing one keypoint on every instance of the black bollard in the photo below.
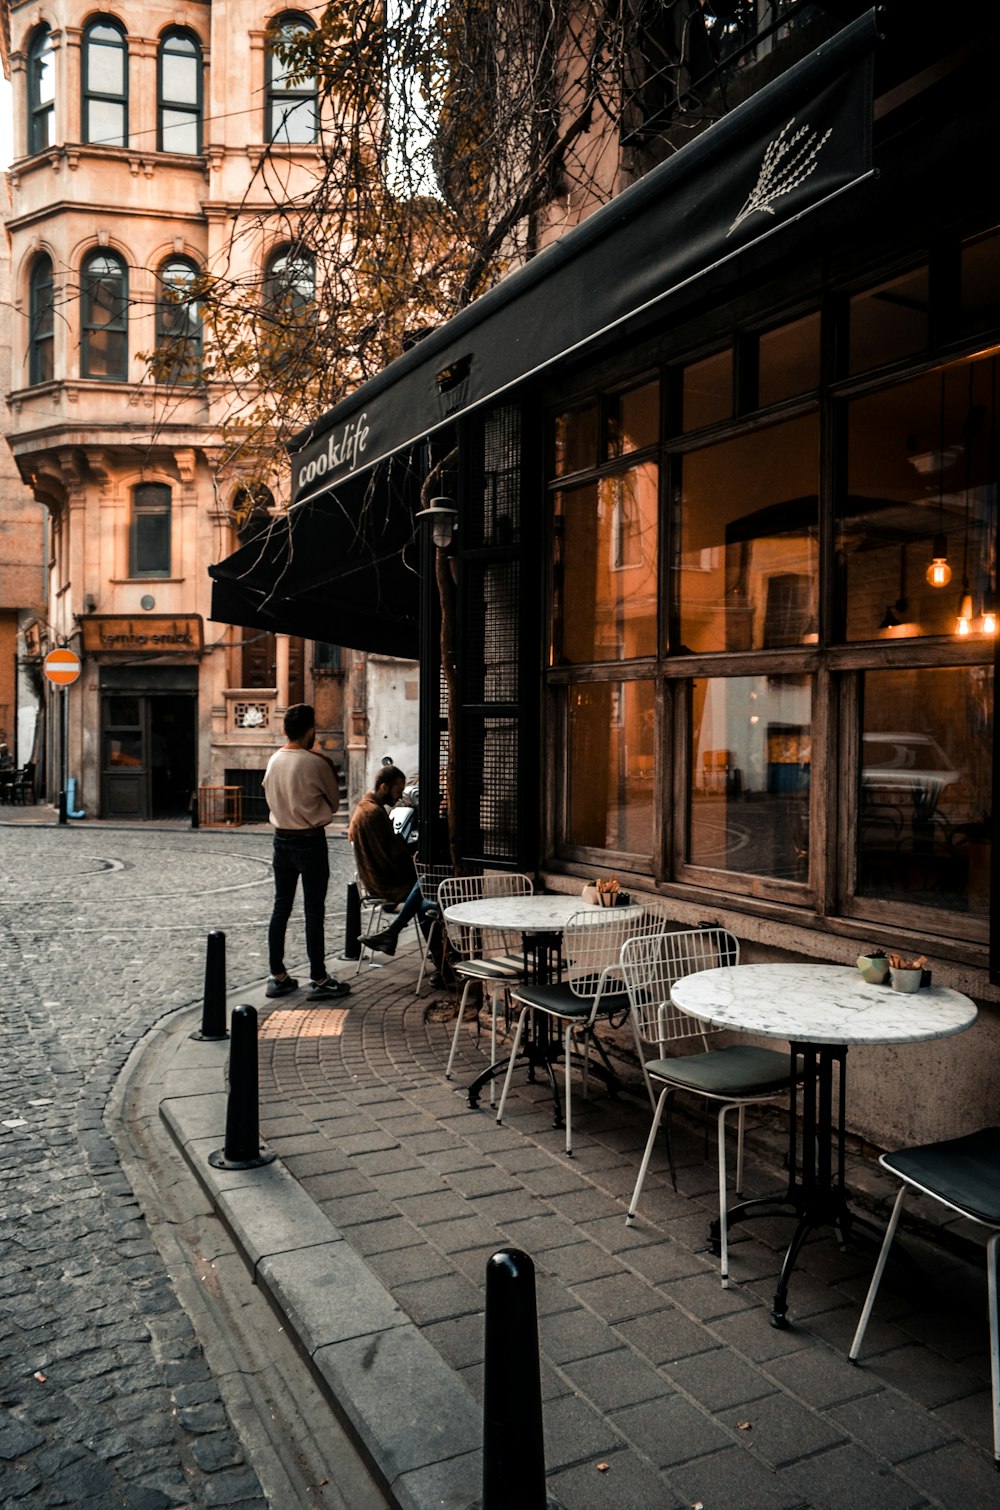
(194, 810)
(243, 1148)
(213, 1010)
(352, 923)
(513, 1449)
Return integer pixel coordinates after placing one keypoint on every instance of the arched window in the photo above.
(149, 535)
(178, 322)
(292, 105)
(179, 119)
(105, 84)
(290, 279)
(41, 321)
(41, 91)
(104, 330)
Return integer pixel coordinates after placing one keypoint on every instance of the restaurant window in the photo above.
(707, 391)
(41, 91)
(41, 321)
(890, 321)
(575, 441)
(749, 764)
(749, 514)
(605, 568)
(178, 322)
(180, 102)
(149, 540)
(980, 286)
(633, 419)
(105, 84)
(921, 488)
(609, 798)
(924, 806)
(292, 101)
(104, 333)
(788, 361)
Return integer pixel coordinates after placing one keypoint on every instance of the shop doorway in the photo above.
(148, 755)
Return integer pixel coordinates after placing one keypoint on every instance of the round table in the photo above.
(540, 920)
(820, 1010)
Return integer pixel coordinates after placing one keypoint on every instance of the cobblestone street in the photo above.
(107, 1398)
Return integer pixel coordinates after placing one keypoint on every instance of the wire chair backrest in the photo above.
(652, 964)
(593, 941)
(430, 878)
(470, 942)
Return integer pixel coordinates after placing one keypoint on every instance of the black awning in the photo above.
(340, 569)
(791, 147)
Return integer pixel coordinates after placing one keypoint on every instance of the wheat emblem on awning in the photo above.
(787, 162)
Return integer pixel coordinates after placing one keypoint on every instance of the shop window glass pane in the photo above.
(121, 712)
(921, 479)
(106, 123)
(748, 577)
(981, 283)
(708, 391)
(750, 759)
(575, 441)
(604, 569)
(610, 758)
(788, 361)
(124, 750)
(634, 419)
(890, 321)
(924, 792)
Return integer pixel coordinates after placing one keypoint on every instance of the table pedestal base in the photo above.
(815, 1193)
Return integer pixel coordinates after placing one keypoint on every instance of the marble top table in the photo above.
(820, 1004)
(821, 1010)
(540, 920)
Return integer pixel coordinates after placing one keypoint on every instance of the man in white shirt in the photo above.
(302, 795)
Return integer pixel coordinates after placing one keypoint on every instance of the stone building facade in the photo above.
(138, 135)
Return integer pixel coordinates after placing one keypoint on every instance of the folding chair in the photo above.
(964, 1175)
(592, 986)
(376, 907)
(482, 955)
(430, 878)
(737, 1076)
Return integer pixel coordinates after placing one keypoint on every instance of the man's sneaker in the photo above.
(281, 987)
(384, 942)
(328, 990)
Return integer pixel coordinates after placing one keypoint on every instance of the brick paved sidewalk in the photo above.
(680, 1389)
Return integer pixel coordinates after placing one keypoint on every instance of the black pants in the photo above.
(309, 858)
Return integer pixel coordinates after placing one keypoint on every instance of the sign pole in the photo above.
(63, 732)
(61, 668)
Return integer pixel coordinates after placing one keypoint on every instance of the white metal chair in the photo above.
(964, 1175)
(737, 1076)
(482, 955)
(430, 878)
(592, 986)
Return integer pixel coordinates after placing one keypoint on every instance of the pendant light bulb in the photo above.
(938, 574)
(989, 622)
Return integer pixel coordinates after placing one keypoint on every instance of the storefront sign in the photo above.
(156, 634)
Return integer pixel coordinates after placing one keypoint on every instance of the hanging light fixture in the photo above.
(963, 624)
(988, 623)
(938, 574)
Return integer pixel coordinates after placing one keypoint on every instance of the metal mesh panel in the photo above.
(496, 479)
(491, 658)
(489, 788)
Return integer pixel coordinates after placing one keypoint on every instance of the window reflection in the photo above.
(633, 419)
(889, 321)
(750, 758)
(924, 804)
(574, 441)
(610, 766)
(604, 568)
(749, 549)
(921, 473)
(788, 361)
(708, 391)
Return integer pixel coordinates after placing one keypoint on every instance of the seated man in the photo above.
(385, 864)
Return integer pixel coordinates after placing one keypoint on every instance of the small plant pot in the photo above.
(875, 970)
(906, 980)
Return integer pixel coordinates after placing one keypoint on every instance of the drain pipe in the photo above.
(71, 800)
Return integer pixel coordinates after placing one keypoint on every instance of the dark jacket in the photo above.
(385, 864)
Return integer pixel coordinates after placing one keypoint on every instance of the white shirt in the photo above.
(301, 788)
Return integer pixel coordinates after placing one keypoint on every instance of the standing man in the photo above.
(302, 795)
(385, 863)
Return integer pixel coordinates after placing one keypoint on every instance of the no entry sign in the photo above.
(62, 667)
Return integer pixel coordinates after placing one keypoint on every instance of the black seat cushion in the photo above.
(964, 1171)
(740, 1070)
(560, 1000)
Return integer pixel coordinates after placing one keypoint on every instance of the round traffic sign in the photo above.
(62, 667)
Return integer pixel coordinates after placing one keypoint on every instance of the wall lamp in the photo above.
(442, 516)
